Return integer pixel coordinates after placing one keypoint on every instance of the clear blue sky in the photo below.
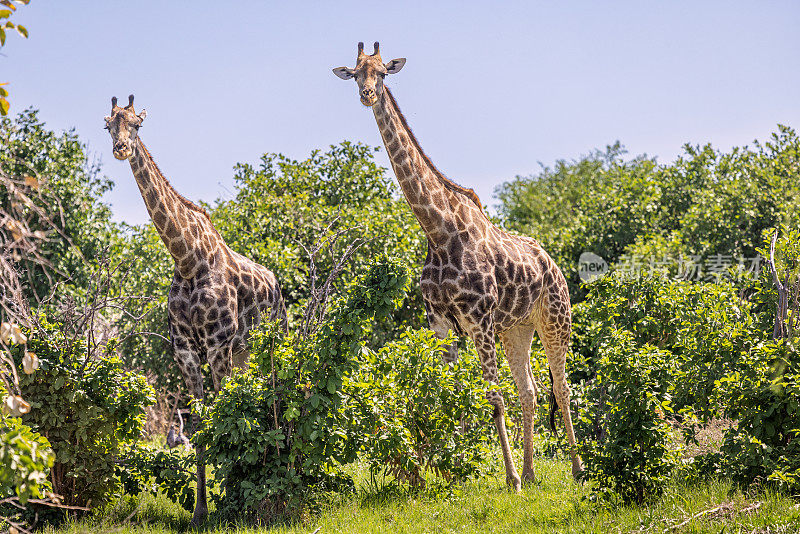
(490, 88)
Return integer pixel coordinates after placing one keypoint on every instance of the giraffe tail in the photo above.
(553, 405)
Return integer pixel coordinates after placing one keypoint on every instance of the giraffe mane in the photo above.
(185, 201)
(448, 183)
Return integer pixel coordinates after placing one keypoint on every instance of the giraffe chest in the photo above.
(458, 285)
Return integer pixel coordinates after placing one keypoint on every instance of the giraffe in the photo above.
(477, 279)
(217, 296)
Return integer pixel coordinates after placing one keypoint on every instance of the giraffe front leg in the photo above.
(220, 359)
(441, 328)
(484, 344)
(189, 364)
(517, 343)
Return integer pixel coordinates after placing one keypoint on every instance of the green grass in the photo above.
(553, 504)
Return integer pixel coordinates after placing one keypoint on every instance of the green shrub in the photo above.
(703, 204)
(25, 460)
(626, 441)
(155, 469)
(763, 397)
(282, 197)
(412, 412)
(86, 407)
(676, 340)
(705, 327)
(272, 432)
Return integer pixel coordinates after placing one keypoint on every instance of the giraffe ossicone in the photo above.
(217, 295)
(477, 280)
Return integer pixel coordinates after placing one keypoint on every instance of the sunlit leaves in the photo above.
(25, 459)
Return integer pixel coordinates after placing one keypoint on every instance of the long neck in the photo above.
(440, 205)
(185, 228)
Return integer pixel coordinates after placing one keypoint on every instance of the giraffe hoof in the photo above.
(577, 471)
(514, 483)
(528, 475)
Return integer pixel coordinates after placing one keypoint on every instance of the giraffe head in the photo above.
(369, 73)
(123, 125)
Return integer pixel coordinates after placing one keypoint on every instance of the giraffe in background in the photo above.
(217, 296)
(477, 280)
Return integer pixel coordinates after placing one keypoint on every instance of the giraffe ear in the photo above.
(394, 66)
(142, 114)
(344, 73)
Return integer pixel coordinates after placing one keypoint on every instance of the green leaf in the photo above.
(22, 30)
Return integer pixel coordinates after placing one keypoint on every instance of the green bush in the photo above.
(705, 327)
(86, 408)
(626, 441)
(301, 198)
(412, 412)
(25, 460)
(66, 186)
(763, 397)
(155, 469)
(272, 432)
(674, 339)
(705, 203)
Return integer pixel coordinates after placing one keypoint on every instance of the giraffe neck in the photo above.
(184, 227)
(441, 206)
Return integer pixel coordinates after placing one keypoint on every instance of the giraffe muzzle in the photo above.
(368, 97)
(121, 151)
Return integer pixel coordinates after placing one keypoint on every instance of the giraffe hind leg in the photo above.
(555, 340)
(220, 360)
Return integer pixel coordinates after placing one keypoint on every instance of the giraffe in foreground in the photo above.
(217, 296)
(477, 280)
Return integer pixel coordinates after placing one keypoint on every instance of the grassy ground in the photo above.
(554, 504)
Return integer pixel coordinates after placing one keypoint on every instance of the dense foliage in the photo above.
(271, 433)
(64, 204)
(25, 458)
(703, 205)
(147, 468)
(627, 446)
(412, 413)
(285, 205)
(86, 408)
(677, 337)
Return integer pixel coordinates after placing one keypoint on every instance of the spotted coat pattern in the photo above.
(217, 296)
(477, 280)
